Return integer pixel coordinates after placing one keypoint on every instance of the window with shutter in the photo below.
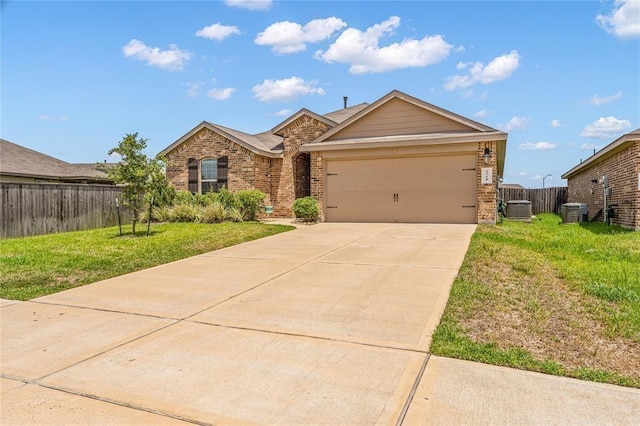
(208, 175)
(223, 171)
(192, 165)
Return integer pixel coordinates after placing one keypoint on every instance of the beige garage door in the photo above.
(431, 189)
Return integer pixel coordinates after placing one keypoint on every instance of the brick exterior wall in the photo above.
(303, 130)
(317, 180)
(247, 170)
(622, 171)
(487, 203)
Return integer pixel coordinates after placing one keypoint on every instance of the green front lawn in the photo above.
(559, 299)
(37, 266)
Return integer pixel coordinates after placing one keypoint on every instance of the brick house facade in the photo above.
(290, 161)
(620, 163)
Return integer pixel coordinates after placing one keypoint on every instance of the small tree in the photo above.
(138, 174)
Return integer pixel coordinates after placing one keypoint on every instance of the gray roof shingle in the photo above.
(16, 160)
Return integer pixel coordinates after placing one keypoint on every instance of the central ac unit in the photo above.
(574, 212)
(519, 210)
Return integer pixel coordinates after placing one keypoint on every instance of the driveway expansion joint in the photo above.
(110, 349)
(308, 336)
(119, 403)
(413, 390)
(112, 311)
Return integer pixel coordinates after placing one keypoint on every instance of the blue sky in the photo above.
(562, 78)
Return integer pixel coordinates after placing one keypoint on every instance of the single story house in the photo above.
(399, 159)
(23, 165)
(613, 171)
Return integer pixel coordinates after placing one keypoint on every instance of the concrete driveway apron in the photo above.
(327, 324)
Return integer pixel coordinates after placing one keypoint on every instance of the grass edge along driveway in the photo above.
(547, 297)
(35, 266)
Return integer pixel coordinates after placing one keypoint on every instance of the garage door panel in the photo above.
(403, 189)
(345, 205)
(458, 206)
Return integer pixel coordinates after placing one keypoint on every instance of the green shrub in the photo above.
(161, 214)
(143, 217)
(213, 213)
(251, 202)
(208, 198)
(186, 198)
(306, 209)
(164, 195)
(184, 213)
(234, 214)
(228, 199)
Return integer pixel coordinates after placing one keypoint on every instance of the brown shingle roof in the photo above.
(16, 160)
(342, 114)
(268, 143)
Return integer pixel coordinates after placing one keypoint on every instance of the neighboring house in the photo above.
(23, 165)
(398, 159)
(620, 163)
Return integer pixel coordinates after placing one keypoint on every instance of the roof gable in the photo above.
(400, 114)
(614, 147)
(264, 144)
(279, 129)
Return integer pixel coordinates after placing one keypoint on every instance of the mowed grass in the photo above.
(548, 297)
(37, 266)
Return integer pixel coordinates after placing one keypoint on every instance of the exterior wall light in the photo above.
(487, 155)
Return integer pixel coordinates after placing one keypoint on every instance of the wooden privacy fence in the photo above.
(35, 209)
(545, 200)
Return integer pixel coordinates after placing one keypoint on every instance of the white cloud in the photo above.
(500, 68)
(624, 19)
(516, 123)
(536, 177)
(220, 94)
(555, 123)
(172, 59)
(250, 4)
(217, 31)
(522, 174)
(47, 117)
(601, 100)
(362, 50)
(538, 145)
(193, 89)
(605, 128)
(290, 37)
(286, 89)
(590, 146)
(284, 113)
(482, 113)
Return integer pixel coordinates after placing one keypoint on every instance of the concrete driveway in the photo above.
(327, 324)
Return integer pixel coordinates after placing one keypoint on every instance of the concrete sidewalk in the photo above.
(327, 324)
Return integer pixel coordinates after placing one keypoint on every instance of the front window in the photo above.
(208, 175)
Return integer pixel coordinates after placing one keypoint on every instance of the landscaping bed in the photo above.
(36, 266)
(559, 299)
